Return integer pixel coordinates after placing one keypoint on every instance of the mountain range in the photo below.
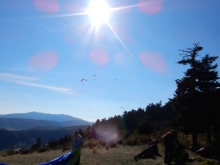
(19, 121)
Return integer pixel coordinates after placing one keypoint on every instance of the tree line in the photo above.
(194, 108)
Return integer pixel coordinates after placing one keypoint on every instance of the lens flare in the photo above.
(47, 6)
(99, 56)
(154, 62)
(150, 7)
(44, 61)
(107, 133)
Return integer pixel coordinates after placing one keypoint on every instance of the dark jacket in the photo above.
(169, 139)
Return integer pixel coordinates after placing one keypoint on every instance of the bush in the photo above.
(186, 140)
(131, 140)
(92, 143)
(112, 144)
(26, 151)
(10, 152)
(137, 140)
(142, 139)
(42, 149)
(66, 147)
(122, 142)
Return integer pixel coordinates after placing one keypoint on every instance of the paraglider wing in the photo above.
(83, 80)
(67, 159)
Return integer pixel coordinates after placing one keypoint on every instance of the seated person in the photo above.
(150, 151)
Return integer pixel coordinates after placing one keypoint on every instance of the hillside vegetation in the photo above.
(27, 138)
(94, 153)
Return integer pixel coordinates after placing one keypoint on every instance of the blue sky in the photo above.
(47, 48)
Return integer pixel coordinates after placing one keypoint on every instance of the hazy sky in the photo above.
(56, 58)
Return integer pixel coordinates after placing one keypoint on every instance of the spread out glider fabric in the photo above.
(67, 159)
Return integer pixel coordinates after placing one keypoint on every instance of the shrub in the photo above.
(10, 152)
(143, 139)
(112, 144)
(186, 140)
(26, 151)
(137, 140)
(91, 143)
(131, 140)
(66, 147)
(42, 149)
(122, 142)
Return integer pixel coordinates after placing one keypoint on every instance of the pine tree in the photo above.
(208, 85)
(193, 99)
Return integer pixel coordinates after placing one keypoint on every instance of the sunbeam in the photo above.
(138, 5)
(133, 58)
(85, 44)
(48, 17)
(120, 41)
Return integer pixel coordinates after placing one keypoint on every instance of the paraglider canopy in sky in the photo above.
(83, 80)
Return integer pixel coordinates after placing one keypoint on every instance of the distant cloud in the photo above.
(23, 80)
(154, 61)
(21, 69)
(52, 88)
(9, 76)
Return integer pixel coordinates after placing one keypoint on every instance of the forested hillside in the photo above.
(26, 138)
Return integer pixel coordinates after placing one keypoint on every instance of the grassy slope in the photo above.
(120, 155)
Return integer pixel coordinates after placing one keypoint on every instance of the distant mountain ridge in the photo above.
(41, 116)
(19, 121)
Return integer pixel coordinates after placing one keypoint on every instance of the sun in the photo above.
(99, 12)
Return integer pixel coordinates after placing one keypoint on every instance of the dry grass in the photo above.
(187, 139)
(31, 159)
(120, 155)
(98, 153)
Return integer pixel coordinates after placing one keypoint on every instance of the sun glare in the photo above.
(99, 11)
